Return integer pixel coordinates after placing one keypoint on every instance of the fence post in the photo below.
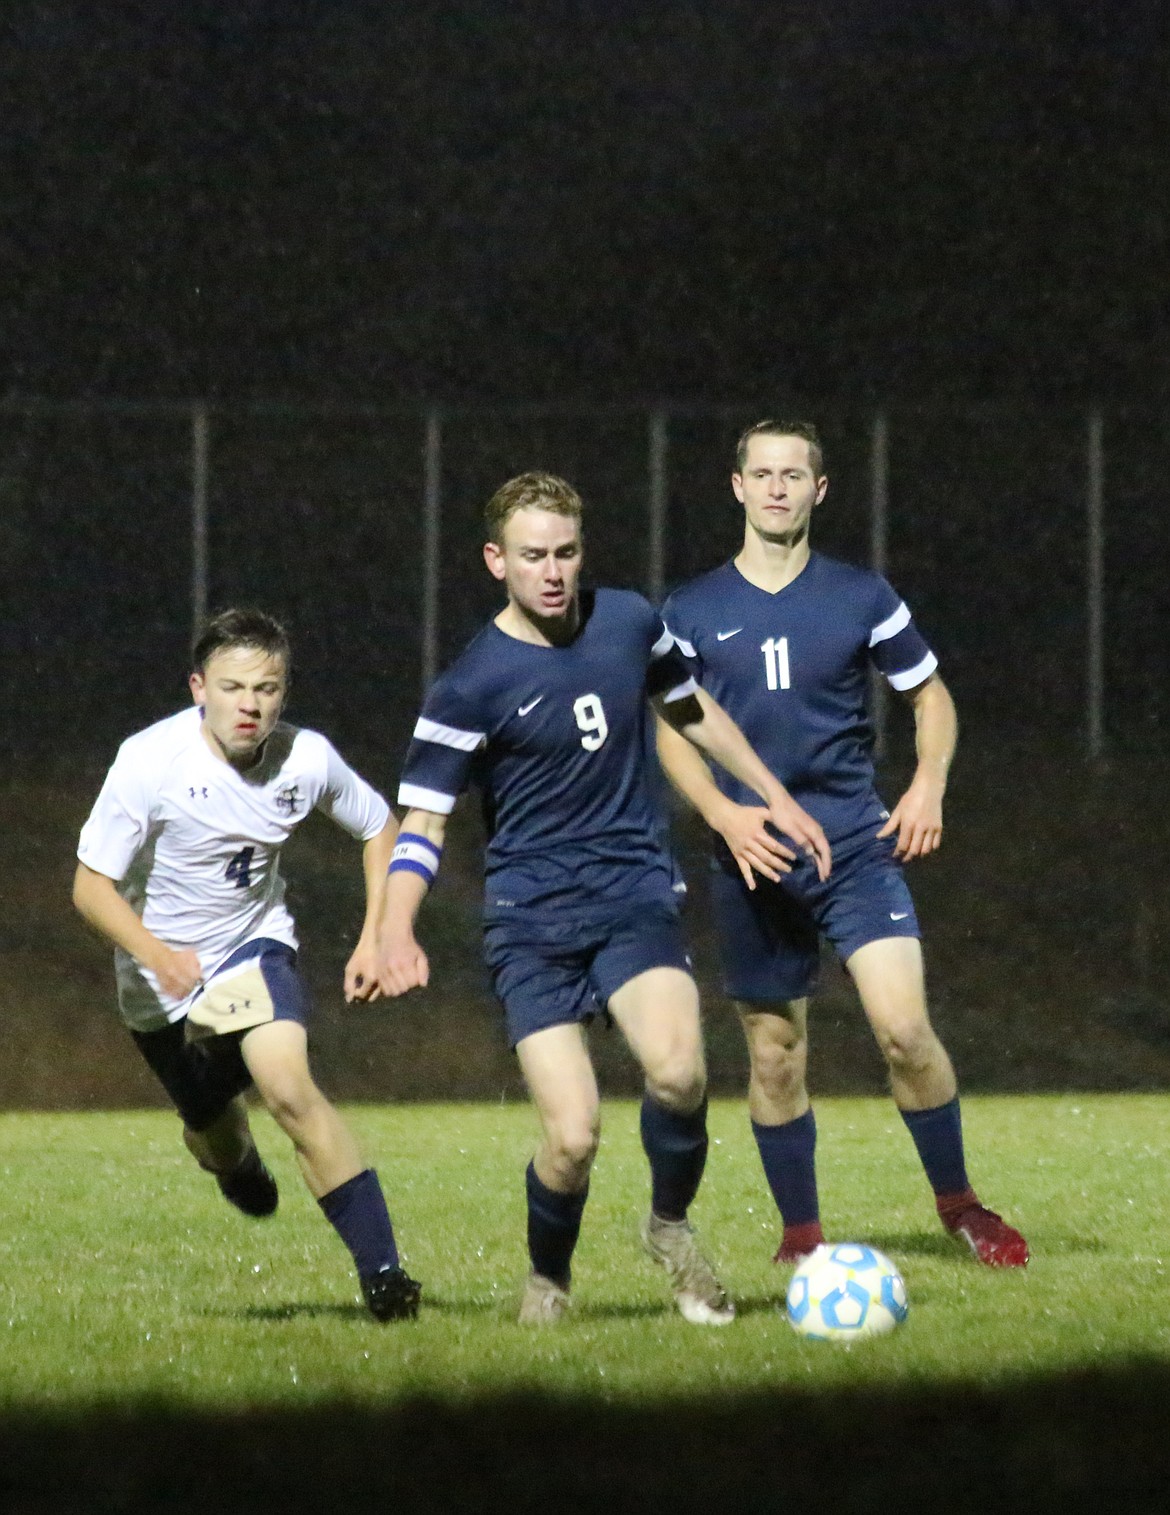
(200, 445)
(1095, 586)
(658, 442)
(879, 541)
(432, 527)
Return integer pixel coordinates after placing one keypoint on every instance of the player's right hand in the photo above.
(178, 972)
(753, 845)
(402, 966)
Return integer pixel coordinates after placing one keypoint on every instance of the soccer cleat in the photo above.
(543, 1302)
(989, 1236)
(799, 1242)
(250, 1186)
(391, 1294)
(700, 1297)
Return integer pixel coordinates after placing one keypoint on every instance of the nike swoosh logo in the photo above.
(532, 704)
(899, 915)
(722, 636)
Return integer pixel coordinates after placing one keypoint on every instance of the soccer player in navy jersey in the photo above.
(546, 712)
(785, 638)
(179, 867)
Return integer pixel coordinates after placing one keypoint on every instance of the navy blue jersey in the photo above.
(555, 737)
(791, 669)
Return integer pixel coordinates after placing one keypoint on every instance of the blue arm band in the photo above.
(415, 854)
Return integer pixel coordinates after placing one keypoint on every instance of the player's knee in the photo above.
(573, 1142)
(778, 1065)
(291, 1102)
(679, 1083)
(908, 1047)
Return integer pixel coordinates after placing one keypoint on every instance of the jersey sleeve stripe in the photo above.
(663, 645)
(680, 692)
(415, 797)
(891, 626)
(448, 736)
(685, 647)
(912, 677)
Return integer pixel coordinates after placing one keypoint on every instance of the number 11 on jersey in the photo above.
(775, 651)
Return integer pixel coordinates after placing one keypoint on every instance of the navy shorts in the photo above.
(551, 968)
(769, 937)
(200, 1086)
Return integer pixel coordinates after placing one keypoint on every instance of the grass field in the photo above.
(155, 1345)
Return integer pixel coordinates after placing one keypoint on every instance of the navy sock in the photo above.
(357, 1211)
(788, 1153)
(938, 1135)
(554, 1223)
(676, 1145)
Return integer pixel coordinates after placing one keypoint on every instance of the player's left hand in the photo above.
(916, 820)
(755, 848)
(361, 975)
(799, 827)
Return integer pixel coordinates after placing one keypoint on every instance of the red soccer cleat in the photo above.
(989, 1236)
(799, 1242)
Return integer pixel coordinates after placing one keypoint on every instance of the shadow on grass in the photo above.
(1091, 1440)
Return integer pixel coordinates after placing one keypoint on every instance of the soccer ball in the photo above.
(845, 1292)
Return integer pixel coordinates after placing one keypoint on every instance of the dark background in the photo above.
(481, 200)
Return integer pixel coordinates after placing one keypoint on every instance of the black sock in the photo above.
(554, 1223)
(676, 1145)
(938, 1136)
(357, 1211)
(788, 1153)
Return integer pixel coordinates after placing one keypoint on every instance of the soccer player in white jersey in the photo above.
(785, 638)
(546, 711)
(179, 868)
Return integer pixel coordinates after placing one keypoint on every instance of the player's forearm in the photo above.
(407, 886)
(97, 899)
(375, 862)
(936, 731)
(720, 738)
(689, 774)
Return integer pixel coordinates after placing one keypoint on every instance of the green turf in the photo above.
(126, 1279)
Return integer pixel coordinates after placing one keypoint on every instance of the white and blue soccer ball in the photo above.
(846, 1292)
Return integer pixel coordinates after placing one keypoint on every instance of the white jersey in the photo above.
(194, 844)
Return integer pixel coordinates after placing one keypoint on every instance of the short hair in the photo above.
(803, 429)
(241, 628)
(530, 491)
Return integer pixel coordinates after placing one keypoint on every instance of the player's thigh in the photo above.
(891, 985)
(559, 1073)
(658, 1013)
(277, 1057)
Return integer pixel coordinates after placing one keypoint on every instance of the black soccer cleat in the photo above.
(391, 1294)
(250, 1186)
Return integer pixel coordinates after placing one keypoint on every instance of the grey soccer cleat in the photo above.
(700, 1297)
(543, 1302)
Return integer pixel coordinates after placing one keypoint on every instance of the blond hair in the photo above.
(530, 491)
